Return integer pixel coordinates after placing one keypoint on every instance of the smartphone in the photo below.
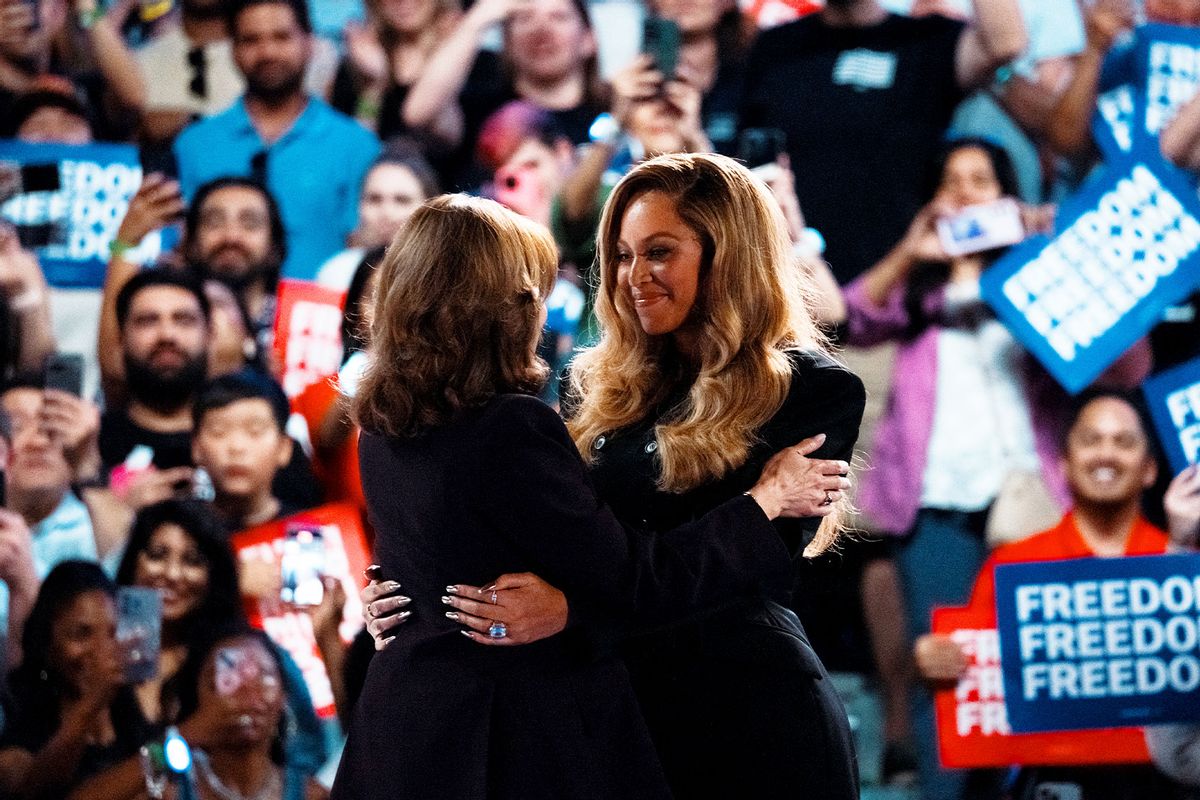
(139, 631)
(64, 371)
(986, 226)
(302, 566)
(758, 147)
(660, 40)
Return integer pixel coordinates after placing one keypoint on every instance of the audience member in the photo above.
(549, 60)
(189, 71)
(228, 697)
(1175, 749)
(879, 91)
(1108, 461)
(712, 59)
(71, 713)
(232, 703)
(163, 318)
(385, 56)
(239, 439)
(941, 464)
(51, 445)
(282, 136)
(397, 183)
(51, 112)
(75, 40)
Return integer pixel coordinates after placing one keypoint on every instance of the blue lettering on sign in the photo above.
(1100, 643)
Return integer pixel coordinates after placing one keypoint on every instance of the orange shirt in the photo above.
(1062, 542)
(337, 471)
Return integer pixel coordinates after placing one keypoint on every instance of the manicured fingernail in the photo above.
(404, 615)
(452, 615)
(466, 634)
(390, 586)
(387, 641)
(452, 589)
(487, 588)
(403, 601)
(445, 599)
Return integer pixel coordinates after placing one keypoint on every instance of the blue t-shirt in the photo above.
(315, 171)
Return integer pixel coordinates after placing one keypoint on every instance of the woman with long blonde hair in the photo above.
(467, 475)
(709, 362)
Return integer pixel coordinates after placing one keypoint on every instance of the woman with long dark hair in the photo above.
(70, 713)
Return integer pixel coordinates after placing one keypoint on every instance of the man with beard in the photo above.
(145, 447)
(311, 157)
(234, 234)
(864, 98)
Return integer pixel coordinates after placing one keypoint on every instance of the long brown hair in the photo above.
(456, 315)
(752, 309)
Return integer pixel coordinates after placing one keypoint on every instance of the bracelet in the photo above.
(118, 248)
(366, 107)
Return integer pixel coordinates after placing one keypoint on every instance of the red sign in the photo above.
(346, 556)
(308, 333)
(769, 13)
(972, 722)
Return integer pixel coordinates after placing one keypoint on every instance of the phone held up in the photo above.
(302, 566)
(982, 227)
(660, 40)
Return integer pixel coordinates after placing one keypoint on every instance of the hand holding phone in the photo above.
(302, 566)
(660, 40)
(139, 631)
(978, 228)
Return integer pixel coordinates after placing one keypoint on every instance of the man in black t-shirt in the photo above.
(864, 98)
(164, 322)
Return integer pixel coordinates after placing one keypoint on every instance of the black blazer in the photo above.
(502, 489)
(737, 702)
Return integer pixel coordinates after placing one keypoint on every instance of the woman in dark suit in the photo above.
(467, 475)
(708, 363)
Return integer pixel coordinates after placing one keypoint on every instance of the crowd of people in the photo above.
(298, 139)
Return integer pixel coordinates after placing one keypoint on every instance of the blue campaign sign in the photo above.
(1100, 642)
(1168, 67)
(1173, 397)
(67, 201)
(1127, 246)
(1112, 124)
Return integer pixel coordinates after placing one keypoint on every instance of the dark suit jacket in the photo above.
(502, 489)
(737, 702)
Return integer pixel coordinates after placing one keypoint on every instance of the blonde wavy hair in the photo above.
(456, 315)
(751, 310)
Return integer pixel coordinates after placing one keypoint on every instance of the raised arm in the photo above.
(432, 102)
(996, 37)
(1069, 128)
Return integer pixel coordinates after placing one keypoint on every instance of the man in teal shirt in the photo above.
(311, 157)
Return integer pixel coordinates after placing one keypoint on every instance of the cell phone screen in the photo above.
(660, 40)
(302, 566)
(139, 631)
(64, 371)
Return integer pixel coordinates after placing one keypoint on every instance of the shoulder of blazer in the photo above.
(818, 379)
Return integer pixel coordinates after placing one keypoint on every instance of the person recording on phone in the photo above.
(181, 548)
(50, 436)
(942, 464)
(70, 712)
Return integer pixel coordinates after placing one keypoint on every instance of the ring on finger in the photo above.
(497, 630)
(371, 610)
(828, 498)
(493, 596)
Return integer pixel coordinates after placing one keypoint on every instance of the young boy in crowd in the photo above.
(239, 440)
